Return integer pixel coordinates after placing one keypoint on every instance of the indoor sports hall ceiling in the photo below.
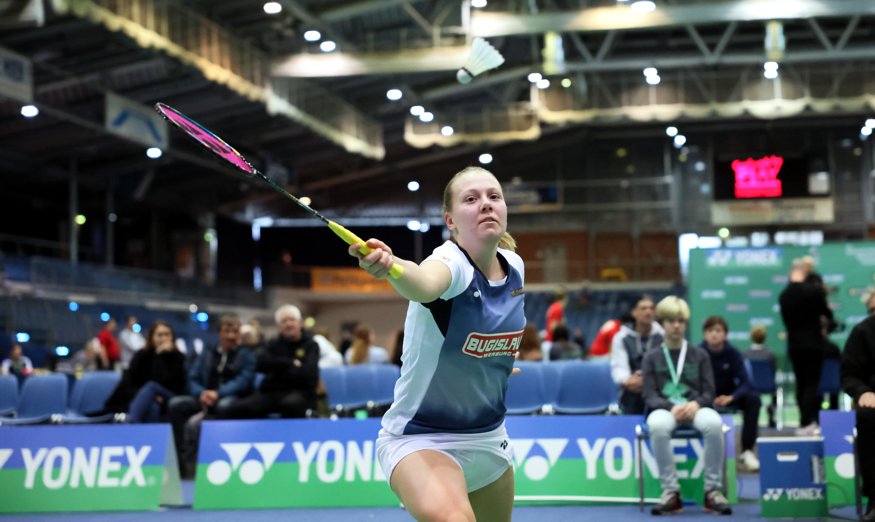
(322, 122)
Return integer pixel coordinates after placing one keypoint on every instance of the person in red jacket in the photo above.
(555, 313)
(110, 353)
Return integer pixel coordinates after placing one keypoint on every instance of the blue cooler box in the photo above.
(791, 477)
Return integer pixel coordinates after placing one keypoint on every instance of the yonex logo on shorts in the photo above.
(252, 470)
(492, 345)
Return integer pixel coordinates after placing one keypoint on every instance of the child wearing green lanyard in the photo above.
(678, 391)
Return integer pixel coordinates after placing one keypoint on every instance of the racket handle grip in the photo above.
(396, 271)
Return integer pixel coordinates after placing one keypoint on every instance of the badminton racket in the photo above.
(217, 146)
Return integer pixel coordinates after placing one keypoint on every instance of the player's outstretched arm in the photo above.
(421, 283)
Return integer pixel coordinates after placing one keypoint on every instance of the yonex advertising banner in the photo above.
(837, 429)
(743, 285)
(318, 463)
(791, 477)
(87, 468)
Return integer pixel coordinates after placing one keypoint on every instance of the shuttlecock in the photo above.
(483, 57)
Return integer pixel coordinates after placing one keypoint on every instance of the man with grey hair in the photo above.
(290, 364)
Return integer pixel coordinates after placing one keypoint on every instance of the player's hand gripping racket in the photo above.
(218, 147)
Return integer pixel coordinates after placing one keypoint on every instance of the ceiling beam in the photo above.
(620, 17)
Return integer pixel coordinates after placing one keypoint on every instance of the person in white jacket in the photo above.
(627, 350)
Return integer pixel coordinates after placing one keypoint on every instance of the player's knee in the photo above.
(445, 512)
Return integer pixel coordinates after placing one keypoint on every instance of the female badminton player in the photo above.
(443, 443)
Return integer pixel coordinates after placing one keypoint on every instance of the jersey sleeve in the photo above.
(461, 270)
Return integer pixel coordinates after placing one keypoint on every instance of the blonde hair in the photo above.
(507, 241)
(361, 341)
(672, 307)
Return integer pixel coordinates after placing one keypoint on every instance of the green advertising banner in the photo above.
(743, 285)
(87, 468)
(322, 463)
(837, 428)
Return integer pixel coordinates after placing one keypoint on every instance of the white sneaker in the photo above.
(811, 430)
(749, 460)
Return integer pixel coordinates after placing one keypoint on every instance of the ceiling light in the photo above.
(312, 35)
(770, 66)
(566, 82)
(412, 186)
(866, 131)
(272, 7)
(671, 132)
(305, 200)
(80, 219)
(679, 140)
(446, 130)
(653, 80)
(543, 83)
(154, 152)
(643, 6)
(416, 110)
(870, 123)
(413, 225)
(485, 158)
(770, 74)
(29, 111)
(479, 4)
(650, 71)
(534, 77)
(424, 227)
(426, 117)
(394, 94)
(327, 46)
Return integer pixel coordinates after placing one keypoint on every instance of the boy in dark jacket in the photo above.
(733, 386)
(858, 381)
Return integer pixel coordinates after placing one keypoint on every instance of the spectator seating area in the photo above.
(361, 387)
(564, 387)
(43, 398)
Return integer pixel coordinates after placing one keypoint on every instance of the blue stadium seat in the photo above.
(385, 376)
(525, 391)
(360, 387)
(42, 397)
(585, 388)
(8, 395)
(830, 376)
(335, 386)
(89, 395)
(763, 373)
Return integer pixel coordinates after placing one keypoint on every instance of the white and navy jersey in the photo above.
(459, 350)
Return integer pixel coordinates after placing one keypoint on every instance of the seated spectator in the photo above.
(678, 389)
(563, 348)
(156, 375)
(110, 353)
(219, 377)
(733, 386)
(628, 348)
(530, 344)
(290, 364)
(362, 349)
(759, 352)
(17, 363)
(601, 345)
(130, 341)
(858, 381)
(329, 355)
(83, 360)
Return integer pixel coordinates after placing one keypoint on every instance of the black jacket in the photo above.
(858, 360)
(167, 369)
(289, 365)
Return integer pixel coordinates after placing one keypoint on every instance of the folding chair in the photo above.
(585, 388)
(43, 397)
(763, 373)
(525, 391)
(683, 432)
(89, 395)
(8, 395)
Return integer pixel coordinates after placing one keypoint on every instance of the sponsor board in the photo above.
(320, 463)
(87, 468)
(791, 477)
(837, 429)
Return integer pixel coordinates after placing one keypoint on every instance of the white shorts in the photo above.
(483, 457)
